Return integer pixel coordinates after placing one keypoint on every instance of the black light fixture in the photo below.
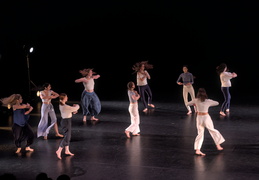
(28, 51)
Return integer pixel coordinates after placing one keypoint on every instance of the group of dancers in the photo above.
(91, 105)
(22, 131)
(200, 102)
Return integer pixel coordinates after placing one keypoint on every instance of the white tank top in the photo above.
(89, 85)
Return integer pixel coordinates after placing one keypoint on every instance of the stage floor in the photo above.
(164, 150)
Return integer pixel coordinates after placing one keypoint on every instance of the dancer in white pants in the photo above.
(186, 80)
(204, 120)
(133, 110)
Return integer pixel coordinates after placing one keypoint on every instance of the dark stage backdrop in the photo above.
(110, 36)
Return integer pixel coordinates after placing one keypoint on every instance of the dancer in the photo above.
(143, 87)
(225, 85)
(21, 129)
(203, 120)
(47, 110)
(186, 79)
(133, 110)
(66, 114)
(89, 100)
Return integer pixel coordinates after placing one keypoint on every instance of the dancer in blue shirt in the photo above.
(21, 129)
(186, 80)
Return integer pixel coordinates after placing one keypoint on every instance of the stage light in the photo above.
(38, 93)
(31, 50)
(28, 51)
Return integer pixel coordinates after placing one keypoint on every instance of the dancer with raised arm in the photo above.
(47, 110)
(203, 120)
(225, 78)
(143, 87)
(22, 131)
(89, 100)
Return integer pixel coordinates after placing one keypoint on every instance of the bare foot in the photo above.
(29, 149)
(199, 153)
(58, 154)
(189, 112)
(145, 110)
(18, 150)
(219, 147)
(227, 110)
(59, 135)
(84, 118)
(69, 154)
(136, 134)
(151, 105)
(127, 134)
(94, 119)
(45, 137)
(222, 113)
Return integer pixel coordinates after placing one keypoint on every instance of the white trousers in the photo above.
(134, 118)
(202, 122)
(188, 90)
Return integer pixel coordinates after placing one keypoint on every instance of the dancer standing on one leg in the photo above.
(133, 110)
(66, 114)
(186, 79)
(143, 87)
(21, 129)
(225, 85)
(89, 100)
(203, 120)
(47, 110)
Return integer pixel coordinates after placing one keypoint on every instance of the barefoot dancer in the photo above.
(142, 83)
(66, 114)
(225, 78)
(21, 129)
(89, 99)
(47, 110)
(203, 120)
(133, 110)
(187, 82)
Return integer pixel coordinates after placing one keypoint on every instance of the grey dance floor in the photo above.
(163, 151)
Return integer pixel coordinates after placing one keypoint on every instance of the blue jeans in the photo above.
(226, 104)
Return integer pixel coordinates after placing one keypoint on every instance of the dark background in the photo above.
(110, 36)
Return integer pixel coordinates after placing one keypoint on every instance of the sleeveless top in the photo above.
(43, 94)
(89, 85)
(19, 117)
